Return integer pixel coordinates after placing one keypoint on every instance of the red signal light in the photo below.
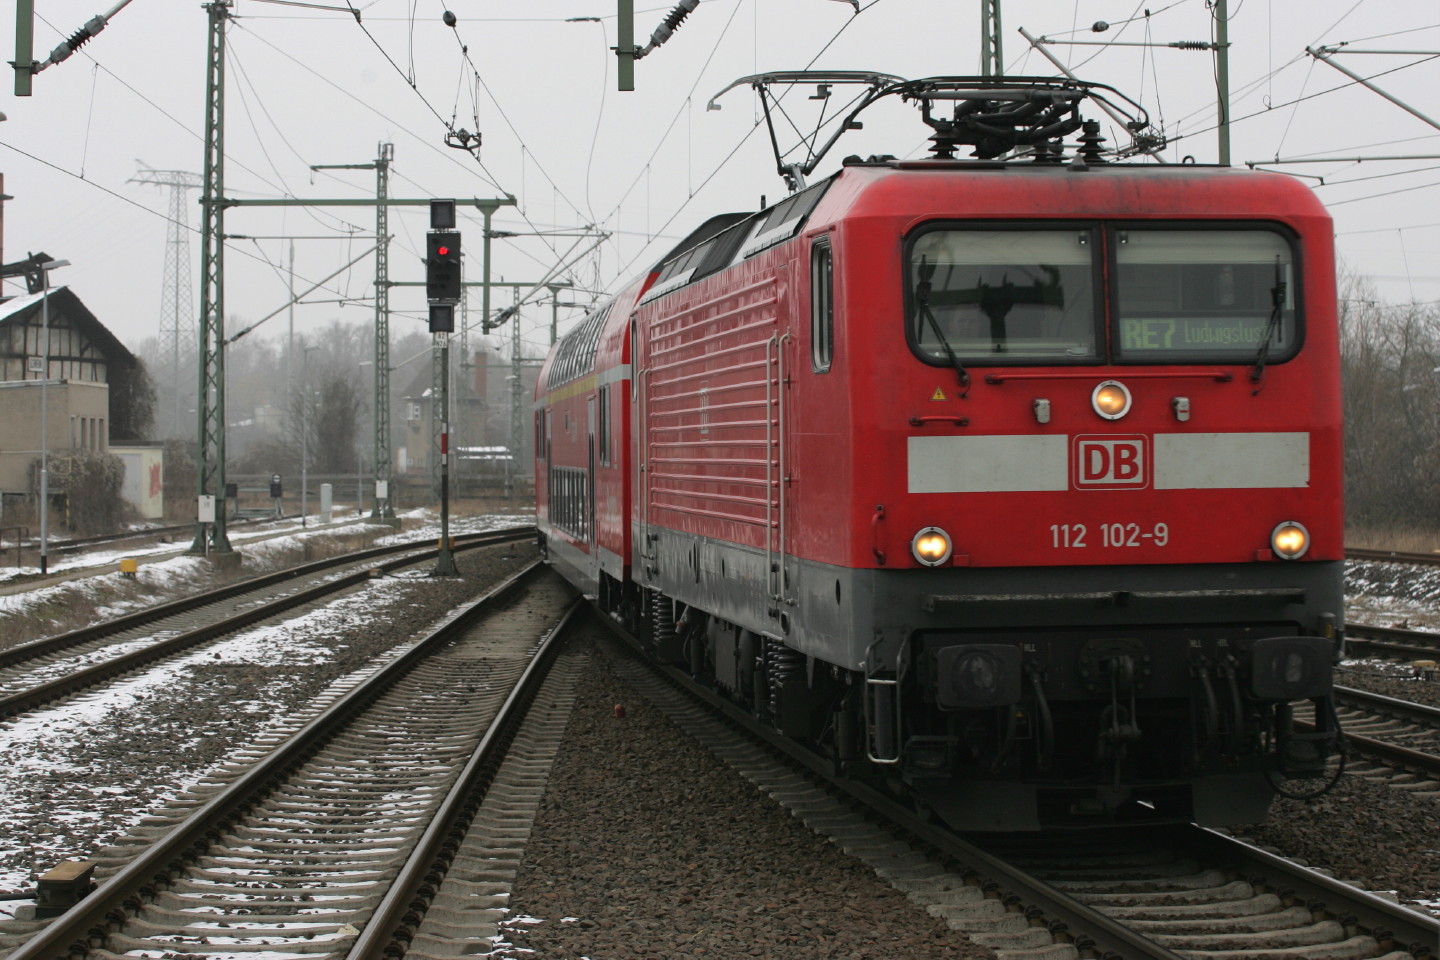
(443, 251)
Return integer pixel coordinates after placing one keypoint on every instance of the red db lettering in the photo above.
(1110, 462)
(1127, 462)
(1097, 462)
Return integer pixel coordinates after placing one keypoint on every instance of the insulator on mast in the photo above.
(668, 27)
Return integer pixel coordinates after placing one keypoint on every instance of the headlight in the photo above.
(1290, 540)
(1111, 399)
(931, 546)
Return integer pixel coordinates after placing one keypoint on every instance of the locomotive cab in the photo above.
(1122, 480)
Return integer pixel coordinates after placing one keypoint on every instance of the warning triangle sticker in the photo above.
(938, 394)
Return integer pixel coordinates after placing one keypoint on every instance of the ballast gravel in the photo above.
(646, 845)
(1366, 830)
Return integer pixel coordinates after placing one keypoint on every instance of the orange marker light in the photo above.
(1111, 399)
(1289, 540)
(931, 546)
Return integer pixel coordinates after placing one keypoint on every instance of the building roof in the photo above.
(64, 303)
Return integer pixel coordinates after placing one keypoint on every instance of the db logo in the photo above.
(1104, 463)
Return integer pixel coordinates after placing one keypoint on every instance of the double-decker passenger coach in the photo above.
(1012, 482)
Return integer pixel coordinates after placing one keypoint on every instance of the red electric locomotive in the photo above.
(1016, 482)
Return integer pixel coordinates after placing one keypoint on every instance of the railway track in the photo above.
(1368, 639)
(1026, 913)
(42, 671)
(1401, 736)
(373, 826)
(1392, 556)
(1194, 892)
(1057, 897)
(71, 548)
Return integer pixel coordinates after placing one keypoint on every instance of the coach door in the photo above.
(591, 519)
(640, 451)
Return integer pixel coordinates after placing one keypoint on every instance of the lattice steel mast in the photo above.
(177, 328)
(384, 505)
(210, 397)
(992, 58)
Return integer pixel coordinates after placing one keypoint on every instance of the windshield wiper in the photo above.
(922, 305)
(1277, 305)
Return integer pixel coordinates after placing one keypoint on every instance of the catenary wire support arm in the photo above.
(1148, 142)
(543, 285)
(1324, 54)
(299, 297)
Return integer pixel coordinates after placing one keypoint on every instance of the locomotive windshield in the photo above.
(1003, 294)
(986, 295)
(1210, 295)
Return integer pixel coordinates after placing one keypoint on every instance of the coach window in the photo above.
(603, 428)
(822, 306)
(1204, 295)
(999, 295)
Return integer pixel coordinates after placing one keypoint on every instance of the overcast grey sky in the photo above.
(308, 86)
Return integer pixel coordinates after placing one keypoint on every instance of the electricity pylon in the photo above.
(177, 323)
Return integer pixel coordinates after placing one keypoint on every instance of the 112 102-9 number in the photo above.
(1070, 536)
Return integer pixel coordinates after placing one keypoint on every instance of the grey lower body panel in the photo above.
(844, 615)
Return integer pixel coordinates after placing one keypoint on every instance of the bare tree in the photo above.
(1390, 370)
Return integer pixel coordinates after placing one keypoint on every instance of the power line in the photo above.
(428, 143)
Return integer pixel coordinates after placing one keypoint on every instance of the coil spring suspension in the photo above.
(662, 620)
(783, 664)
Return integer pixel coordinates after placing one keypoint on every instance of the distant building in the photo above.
(480, 417)
(88, 367)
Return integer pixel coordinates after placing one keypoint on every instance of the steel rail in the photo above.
(389, 930)
(1392, 556)
(87, 925)
(71, 683)
(1390, 923)
(46, 645)
(70, 546)
(1426, 764)
(1400, 640)
(1392, 754)
(1392, 706)
(1093, 933)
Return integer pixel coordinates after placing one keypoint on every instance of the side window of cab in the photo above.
(822, 305)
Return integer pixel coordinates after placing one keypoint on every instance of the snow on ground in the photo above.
(87, 770)
(1393, 594)
(174, 575)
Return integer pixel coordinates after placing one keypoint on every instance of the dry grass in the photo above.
(1406, 539)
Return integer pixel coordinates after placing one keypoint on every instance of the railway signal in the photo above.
(443, 290)
(442, 265)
